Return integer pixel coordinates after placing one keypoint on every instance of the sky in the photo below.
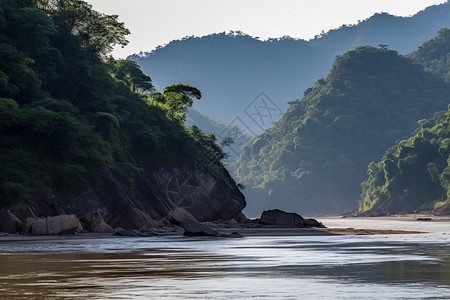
(157, 22)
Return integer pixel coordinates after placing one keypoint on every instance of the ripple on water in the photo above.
(350, 267)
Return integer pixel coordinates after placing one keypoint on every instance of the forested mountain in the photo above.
(414, 175)
(232, 69)
(71, 118)
(314, 159)
(435, 54)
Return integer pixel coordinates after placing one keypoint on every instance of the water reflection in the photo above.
(350, 267)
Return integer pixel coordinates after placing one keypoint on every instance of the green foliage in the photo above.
(435, 54)
(413, 175)
(65, 115)
(315, 157)
(131, 74)
(177, 99)
(95, 31)
(212, 150)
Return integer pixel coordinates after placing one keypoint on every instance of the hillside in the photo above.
(434, 54)
(413, 175)
(77, 134)
(233, 69)
(314, 159)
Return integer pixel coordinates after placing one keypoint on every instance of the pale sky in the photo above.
(157, 22)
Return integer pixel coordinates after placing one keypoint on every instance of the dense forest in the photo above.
(314, 159)
(414, 174)
(68, 110)
(231, 69)
(434, 54)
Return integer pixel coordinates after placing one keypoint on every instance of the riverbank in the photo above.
(245, 232)
(397, 217)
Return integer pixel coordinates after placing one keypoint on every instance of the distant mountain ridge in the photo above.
(233, 69)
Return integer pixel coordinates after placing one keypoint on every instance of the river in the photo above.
(413, 266)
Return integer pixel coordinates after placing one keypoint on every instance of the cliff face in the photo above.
(205, 195)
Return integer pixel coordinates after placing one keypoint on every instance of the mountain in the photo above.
(414, 174)
(233, 69)
(76, 136)
(314, 159)
(435, 54)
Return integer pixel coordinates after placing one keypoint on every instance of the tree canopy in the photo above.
(177, 98)
(314, 159)
(67, 111)
(435, 54)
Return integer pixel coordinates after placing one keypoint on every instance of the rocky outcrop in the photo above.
(201, 194)
(179, 215)
(62, 224)
(281, 218)
(313, 223)
(193, 228)
(95, 223)
(10, 223)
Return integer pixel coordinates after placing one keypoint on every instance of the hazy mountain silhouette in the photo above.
(232, 69)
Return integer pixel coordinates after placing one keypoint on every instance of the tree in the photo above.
(178, 98)
(131, 74)
(96, 31)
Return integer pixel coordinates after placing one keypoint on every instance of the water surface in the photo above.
(288, 267)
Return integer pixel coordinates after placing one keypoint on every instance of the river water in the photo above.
(413, 266)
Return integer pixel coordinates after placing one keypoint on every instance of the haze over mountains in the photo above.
(232, 69)
(314, 159)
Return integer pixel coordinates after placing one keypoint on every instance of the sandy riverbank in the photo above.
(403, 217)
(246, 232)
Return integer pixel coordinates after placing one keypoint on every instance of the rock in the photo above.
(230, 222)
(165, 223)
(179, 215)
(233, 235)
(313, 223)
(278, 217)
(133, 218)
(95, 223)
(26, 226)
(63, 224)
(193, 228)
(203, 196)
(9, 223)
(241, 218)
(125, 232)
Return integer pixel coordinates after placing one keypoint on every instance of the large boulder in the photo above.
(26, 226)
(95, 223)
(131, 217)
(313, 223)
(179, 215)
(63, 224)
(276, 217)
(281, 218)
(193, 228)
(9, 222)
